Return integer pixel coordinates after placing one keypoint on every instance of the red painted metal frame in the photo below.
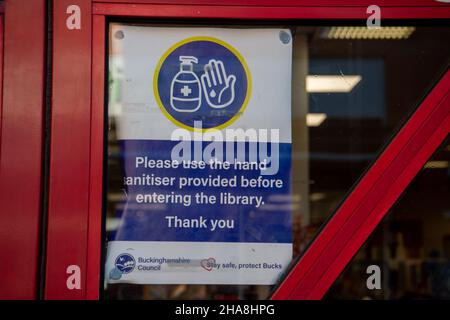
(287, 3)
(74, 230)
(69, 192)
(22, 114)
(268, 12)
(97, 132)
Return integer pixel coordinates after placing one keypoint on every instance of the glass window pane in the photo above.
(411, 246)
(335, 94)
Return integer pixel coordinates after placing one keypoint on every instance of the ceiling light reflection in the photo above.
(331, 83)
(315, 119)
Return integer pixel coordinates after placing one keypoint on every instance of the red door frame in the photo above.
(22, 95)
(76, 164)
(2, 22)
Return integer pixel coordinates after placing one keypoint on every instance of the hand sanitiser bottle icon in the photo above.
(185, 93)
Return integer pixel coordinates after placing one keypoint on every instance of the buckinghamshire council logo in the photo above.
(125, 263)
(202, 79)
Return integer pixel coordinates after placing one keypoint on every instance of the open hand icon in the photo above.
(217, 86)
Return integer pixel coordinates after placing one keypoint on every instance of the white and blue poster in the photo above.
(203, 122)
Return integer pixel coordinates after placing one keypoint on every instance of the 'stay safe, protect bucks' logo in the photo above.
(202, 79)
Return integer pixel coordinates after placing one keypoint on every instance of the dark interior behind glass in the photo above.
(411, 245)
(335, 135)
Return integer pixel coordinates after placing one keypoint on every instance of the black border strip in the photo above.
(42, 258)
(106, 79)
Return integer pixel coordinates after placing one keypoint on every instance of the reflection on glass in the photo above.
(349, 95)
(411, 246)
